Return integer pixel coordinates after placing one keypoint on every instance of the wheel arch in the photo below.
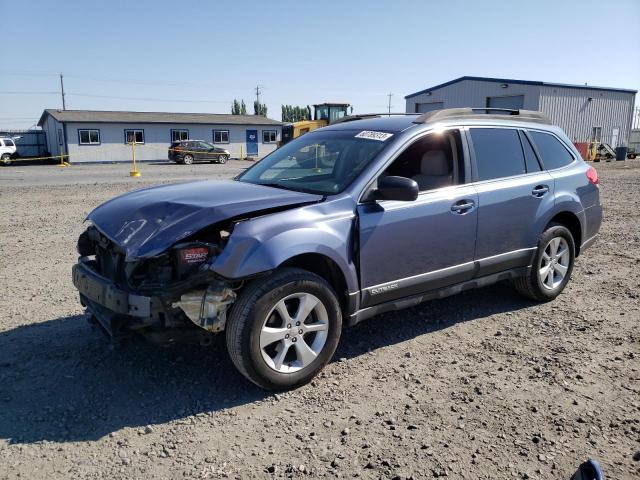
(572, 222)
(324, 267)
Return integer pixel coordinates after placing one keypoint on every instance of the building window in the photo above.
(60, 137)
(179, 135)
(221, 136)
(89, 137)
(269, 136)
(596, 134)
(131, 135)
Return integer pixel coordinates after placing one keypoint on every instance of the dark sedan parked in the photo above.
(188, 151)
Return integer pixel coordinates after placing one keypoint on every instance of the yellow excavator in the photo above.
(323, 115)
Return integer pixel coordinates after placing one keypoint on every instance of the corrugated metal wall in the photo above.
(473, 93)
(567, 107)
(571, 109)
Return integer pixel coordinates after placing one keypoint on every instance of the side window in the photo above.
(553, 153)
(433, 161)
(530, 157)
(498, 152)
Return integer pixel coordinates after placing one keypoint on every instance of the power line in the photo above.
(115, 97)
(27, 93)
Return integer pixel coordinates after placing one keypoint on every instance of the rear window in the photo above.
(498, 152)
(554, 154)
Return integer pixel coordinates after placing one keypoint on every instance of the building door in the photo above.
(429, 107)
(252, 143)
(614, 137)
(514, 102)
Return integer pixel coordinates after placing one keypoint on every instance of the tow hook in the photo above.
(208, 308)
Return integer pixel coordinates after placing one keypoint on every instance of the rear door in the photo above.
(514, 193)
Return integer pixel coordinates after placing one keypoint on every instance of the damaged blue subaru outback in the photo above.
(370, 214)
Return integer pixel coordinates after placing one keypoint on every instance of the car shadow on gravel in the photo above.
(61, 382)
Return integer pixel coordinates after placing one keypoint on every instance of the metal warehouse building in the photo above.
(585, 113)
(104, 136)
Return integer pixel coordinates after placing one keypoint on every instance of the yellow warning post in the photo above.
(134, 168)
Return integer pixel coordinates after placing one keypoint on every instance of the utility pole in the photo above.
(258, 93)
(64, 107)
(390, 95)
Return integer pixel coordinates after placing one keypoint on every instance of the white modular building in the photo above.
(105, 136)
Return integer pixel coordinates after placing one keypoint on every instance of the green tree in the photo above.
(243, 108)
(235, 107)
(259, 109)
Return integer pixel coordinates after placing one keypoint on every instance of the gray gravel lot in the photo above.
(481, 385)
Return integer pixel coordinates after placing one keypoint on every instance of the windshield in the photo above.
(324, 162)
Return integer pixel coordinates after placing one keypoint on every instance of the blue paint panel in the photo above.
(252, 143)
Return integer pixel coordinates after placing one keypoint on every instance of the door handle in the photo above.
(462, 206)
(540, 190)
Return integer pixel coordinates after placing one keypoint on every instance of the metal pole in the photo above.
(64, 107)
(390, 95)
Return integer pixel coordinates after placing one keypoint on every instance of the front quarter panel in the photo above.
(261, 244)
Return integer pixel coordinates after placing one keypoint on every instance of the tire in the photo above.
(538, 286)
(187, 159)
(222, 159)
(6, 159)
(257, 333)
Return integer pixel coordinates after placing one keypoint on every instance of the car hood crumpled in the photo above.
(146, 222)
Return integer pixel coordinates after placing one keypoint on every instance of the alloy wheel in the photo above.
(554, 263)
(294, 332)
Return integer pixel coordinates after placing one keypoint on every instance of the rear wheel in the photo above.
(187, 159)
(552, 265)
(284, 329)
(6, 159)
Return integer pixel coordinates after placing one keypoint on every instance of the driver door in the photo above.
(411, 247)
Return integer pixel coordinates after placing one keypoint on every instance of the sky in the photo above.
(197, 56)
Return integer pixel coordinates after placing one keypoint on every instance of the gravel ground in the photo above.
(481, 385)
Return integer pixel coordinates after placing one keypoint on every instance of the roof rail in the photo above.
(449, 113)
(362, 116)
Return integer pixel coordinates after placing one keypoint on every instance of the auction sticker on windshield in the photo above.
(371, 135)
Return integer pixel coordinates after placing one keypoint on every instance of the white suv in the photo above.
(7, 149)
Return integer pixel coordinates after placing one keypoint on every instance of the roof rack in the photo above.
(362, 116)
(449, 113)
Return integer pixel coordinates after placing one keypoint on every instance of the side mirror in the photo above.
(397, 188)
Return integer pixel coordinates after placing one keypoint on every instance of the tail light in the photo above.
(592, 175)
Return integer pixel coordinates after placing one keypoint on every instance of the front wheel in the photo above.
(6, 159)
(552, 265)
(223, 159)
(284, 329)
